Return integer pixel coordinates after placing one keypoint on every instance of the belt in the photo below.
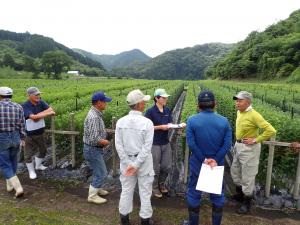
(135, 155)
(239, 141)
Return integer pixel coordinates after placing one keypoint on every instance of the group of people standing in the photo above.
(142, 143)
(22, 126)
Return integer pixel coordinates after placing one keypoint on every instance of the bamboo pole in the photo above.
(297, 180)
(72, 128)
(186, 162)
(114, 152)
(53, 142)
(270, 167)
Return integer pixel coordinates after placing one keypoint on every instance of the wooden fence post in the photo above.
(297, 181)
(186, 162)
(114, 152)
(53, 142)
(72, 128)
(270, 167)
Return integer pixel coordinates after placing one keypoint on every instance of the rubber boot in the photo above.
(94, 197)
(246, 205)
(194, 215)
(15, 182)
(125, 219)
(38, 164)
(31, 171)
(147, 221)
(9, 187)
(216, 215)
(239, 196)
(102, 192)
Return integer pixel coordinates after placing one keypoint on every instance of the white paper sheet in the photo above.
(210, 180)
(31, 125)
(176, 126)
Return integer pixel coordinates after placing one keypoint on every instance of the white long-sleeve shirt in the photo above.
(133, 139)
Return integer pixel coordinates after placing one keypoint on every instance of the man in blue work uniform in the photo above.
(209, 139)
(161, 151)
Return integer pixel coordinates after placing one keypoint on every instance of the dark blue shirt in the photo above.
(161, 137)
(208, 136)
(30, 109)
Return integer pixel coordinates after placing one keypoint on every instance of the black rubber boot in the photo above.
(239, 196)
(147, 221)
(125, 219)
(194, 215)
(216, 215)
(246, 205)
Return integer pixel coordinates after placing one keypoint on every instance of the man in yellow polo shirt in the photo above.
(247, 148)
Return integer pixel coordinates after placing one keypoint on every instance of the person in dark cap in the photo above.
(12, 135)
(208, 135)
(35, 110)
(95, 140)
(247, 148)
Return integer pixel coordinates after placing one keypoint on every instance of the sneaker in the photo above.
(163, 188)
(156, 192)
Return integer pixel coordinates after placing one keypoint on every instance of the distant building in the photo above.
(75, 72)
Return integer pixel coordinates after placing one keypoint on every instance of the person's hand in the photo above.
(249, 141)
(294, 147)
(130, 170)
(103, 143)
(22, 143)
(211, 162)
(164, 127)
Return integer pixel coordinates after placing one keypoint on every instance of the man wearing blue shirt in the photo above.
(35, 110)
(209, 139)
(160, 115)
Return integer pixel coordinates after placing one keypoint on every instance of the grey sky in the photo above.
(153, 26)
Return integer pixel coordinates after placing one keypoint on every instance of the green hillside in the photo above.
(124, 59)
(187, 63)
(273, 53)
(24, 51)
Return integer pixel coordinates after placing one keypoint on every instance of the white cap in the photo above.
(136, 96)
(5, 91)
(243, 95)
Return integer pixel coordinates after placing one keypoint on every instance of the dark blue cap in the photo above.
(100, 96)
(206, 96)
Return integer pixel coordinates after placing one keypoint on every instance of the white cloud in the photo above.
(113, 26)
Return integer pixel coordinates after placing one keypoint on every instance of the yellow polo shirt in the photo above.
(248, 124)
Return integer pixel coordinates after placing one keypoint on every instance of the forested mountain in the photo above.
(21, 47)
(124, 59)
(273, 53)
(188, 63)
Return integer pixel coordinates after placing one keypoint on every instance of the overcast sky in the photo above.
(153, 26)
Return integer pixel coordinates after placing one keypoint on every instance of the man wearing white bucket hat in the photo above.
(134, 136)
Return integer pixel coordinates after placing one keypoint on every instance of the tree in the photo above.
(8, 61)
(54, 62)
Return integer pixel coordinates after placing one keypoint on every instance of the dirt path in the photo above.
(49, 202)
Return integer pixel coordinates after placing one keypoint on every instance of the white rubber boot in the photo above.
(9, 187)
(31, 171)
(94, 197)
(15, 182)
(102, 192)
(38, 164)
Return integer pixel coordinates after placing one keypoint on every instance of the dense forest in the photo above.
(188, 63)
(273, 53)
(24, 51)
(123, 59)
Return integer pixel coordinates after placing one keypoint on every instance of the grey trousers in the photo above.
(162, 163)
(33, 144)
(245, 166)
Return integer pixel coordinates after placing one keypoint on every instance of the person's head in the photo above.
(34, 94)
(99, 100)
(5, 92)
(136, 100)
(161, 96)
(242, 100)
(206, 100)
